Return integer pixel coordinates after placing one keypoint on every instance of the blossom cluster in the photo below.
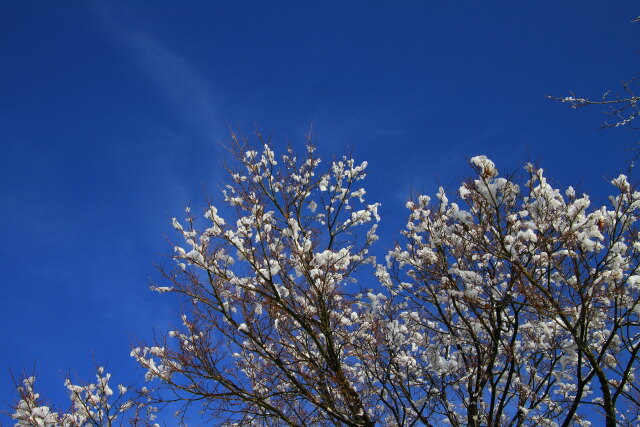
(92, 404)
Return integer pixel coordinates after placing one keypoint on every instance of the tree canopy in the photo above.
(508, 302)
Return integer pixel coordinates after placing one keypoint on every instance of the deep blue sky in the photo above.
(113, 115)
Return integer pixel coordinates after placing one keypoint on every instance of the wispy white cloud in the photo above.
(184, 85)
(189, 94)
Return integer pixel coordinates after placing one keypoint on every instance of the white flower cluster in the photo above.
(92, 404)
(492, 291)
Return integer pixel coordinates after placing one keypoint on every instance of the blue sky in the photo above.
(114, 116)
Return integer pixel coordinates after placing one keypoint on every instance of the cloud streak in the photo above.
(182, 83)
(185, 87)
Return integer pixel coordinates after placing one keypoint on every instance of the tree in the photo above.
(93, 404)
(622, 109)
(515, 304)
